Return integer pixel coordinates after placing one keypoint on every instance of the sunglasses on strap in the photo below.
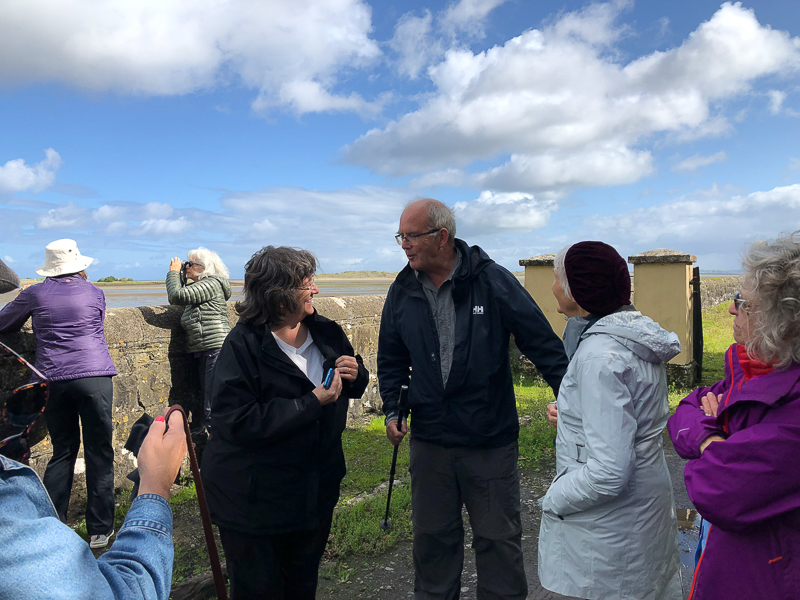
(21, 425)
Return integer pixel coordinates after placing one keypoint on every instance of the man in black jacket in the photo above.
(448, 316)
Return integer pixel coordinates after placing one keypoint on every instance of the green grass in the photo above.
(535, 435)
(356, 528)
(190, 560)
(368, 455)
(717, 338)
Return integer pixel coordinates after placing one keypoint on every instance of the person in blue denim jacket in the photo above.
(40, 557)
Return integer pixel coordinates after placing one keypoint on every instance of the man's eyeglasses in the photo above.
(411, 238)
(740, 304)
(20, 423)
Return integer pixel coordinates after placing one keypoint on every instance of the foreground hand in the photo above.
(710, 404)
(393, 434)
(331, 394)
(712, 438)
(552, 413)
(161, 455)
(175, 264)
(347, 367)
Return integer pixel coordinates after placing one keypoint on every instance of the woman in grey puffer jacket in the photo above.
(205, 316)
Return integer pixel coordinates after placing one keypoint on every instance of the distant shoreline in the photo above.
(348, 276)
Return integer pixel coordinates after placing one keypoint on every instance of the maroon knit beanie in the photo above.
(598, 277)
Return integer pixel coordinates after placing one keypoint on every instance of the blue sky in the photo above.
(144, 129)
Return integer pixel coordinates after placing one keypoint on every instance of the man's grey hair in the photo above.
(561, 271)
(212, 263)
(772, 275)
(440, 216)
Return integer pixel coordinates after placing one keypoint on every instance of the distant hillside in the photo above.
(357, 275)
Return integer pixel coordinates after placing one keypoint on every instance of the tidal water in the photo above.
(156, 295)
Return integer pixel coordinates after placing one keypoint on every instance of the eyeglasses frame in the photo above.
(411, 238)
(740, 304)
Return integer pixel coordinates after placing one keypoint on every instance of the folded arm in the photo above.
(690, 426)
(751, 477)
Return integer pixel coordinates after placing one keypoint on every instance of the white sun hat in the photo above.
(63, 258)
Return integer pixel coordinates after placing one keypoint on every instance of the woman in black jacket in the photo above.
(274, 461)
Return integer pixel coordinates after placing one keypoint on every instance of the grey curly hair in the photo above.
(772, 274)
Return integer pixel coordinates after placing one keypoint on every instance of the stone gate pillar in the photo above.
(662, 281)
(539, 283)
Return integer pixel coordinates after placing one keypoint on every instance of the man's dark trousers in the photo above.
(486, 480)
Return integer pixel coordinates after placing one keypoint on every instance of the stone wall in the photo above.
(148, 347)
(717, 291)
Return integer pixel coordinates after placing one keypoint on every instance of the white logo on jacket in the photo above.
(477, 310)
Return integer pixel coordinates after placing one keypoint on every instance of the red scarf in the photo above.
(751, 367)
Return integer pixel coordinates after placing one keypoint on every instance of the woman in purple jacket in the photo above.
(67, 313)
(743, 434)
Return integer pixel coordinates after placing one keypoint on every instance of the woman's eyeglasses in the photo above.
(740, 304)
(190, 263)
(308, 288)
(20, 423)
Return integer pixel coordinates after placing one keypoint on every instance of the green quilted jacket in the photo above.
(205, 317)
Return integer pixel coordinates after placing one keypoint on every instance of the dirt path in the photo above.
(390, 576)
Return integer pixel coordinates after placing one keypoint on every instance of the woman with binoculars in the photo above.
(201, 285)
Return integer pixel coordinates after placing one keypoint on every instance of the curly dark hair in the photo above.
(271, 280)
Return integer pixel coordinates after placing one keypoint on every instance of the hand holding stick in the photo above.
(402, 409)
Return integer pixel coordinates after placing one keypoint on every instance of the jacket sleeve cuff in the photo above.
(391, 416)
(149, 511)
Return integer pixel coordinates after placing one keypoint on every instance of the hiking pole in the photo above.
(401, 410)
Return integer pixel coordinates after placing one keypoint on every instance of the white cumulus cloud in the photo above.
(108, 214)
(280, 48)
(558, 107)
(17, 176)
(164, 228)
(158, 210)
(709, 221)
(493, 213)
(69, 215)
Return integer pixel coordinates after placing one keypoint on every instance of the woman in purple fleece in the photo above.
(743, 434)
(67, 313)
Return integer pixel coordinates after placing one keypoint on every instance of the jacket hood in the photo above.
(226, 285)
(640, 334)
(473, 261)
